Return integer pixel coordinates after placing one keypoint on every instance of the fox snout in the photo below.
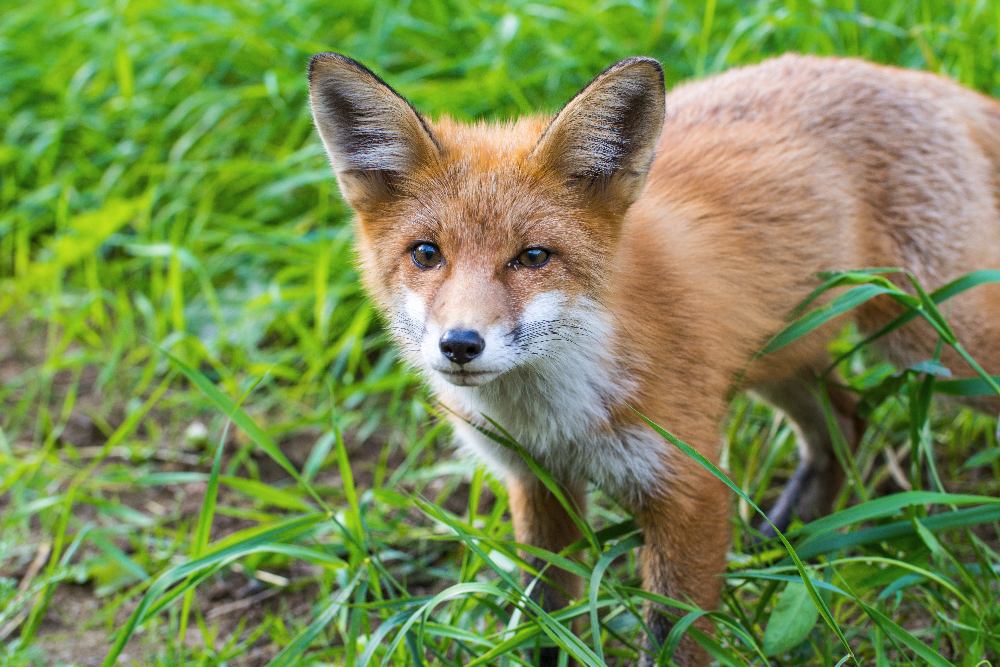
(473, 343)
(461, 345)
(463, 342)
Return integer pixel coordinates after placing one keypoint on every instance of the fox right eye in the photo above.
(426, 255)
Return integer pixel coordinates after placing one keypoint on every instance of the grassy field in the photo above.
(210, 455)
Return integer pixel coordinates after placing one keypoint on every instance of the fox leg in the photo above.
(540, 520)
(810, 492)
(686, 534)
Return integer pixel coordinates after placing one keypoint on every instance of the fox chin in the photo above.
(637, 250)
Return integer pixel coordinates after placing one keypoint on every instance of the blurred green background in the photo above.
(162, 191)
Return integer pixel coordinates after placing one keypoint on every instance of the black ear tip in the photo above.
(322, 60)
(637, 66)
(317, 62)
(644, 62)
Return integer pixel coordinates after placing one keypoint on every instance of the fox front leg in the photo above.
(540, 520)
(686, 535)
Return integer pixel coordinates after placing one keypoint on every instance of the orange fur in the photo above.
(763, 177)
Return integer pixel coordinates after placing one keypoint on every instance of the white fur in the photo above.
(413, 305)
(552, 392)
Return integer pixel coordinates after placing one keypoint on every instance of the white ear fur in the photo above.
(608, 133)
(370, 131)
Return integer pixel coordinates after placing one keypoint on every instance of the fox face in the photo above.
(479, 273)
(488, 247)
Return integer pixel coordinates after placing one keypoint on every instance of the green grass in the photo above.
(208, 452)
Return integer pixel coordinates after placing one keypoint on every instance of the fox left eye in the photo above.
(426, 255)
(533, 258)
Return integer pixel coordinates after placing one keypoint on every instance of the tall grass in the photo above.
(208, 452)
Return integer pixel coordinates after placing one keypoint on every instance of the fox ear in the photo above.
(372, 135)
(606, 136)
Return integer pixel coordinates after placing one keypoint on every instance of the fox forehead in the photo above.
(483, 202)
(483, 186)
(480, 231)
(488, 144)
(480, 208)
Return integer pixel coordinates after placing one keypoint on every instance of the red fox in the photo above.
(638, 249)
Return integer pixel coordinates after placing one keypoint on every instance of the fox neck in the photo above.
(568, 411)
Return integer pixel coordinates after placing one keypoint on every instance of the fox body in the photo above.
(638, 249)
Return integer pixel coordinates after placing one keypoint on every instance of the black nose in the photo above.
(461, 345)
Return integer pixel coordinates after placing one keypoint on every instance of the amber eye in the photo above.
(533, 258)
(426, 255)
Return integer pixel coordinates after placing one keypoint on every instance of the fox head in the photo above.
(488, 247)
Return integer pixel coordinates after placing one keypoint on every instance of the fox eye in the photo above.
(426, 255)
(533, 258)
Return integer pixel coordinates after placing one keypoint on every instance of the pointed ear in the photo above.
(605, 137)
(372, 135)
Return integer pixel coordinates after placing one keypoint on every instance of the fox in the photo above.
(561, 275)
